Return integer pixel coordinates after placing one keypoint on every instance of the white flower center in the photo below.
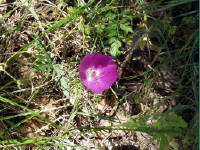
(92, 74)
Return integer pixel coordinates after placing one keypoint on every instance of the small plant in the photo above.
(111, 27)
(116, 30)
(162, 127)
(157, 93)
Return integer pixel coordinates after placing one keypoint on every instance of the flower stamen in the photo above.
(92, 74)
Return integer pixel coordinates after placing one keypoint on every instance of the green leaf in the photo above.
(111, 26)
(117, 44)
(164, 128)
(63, 80)
(122, 37)
(100, 28)
(170, 121)
(64, 86)
(112, 33)
(124, 21)
(87, 29)
(128, 16)
(115, 48)
(126, 28)
(84, 28)
(112, 40)
(110, 15)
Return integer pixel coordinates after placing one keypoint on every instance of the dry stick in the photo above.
(28, 89)
(131, 49)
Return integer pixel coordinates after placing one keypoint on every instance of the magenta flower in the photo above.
(98, 72)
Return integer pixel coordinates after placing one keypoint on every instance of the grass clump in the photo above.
(154, 103)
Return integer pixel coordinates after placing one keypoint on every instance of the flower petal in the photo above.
(107, 72)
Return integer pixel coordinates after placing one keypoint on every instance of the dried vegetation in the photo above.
(44, 105)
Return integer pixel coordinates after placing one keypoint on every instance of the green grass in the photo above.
(36, 63)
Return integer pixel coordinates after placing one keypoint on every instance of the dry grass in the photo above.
(43, 104)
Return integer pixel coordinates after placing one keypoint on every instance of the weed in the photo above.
(44, 105)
